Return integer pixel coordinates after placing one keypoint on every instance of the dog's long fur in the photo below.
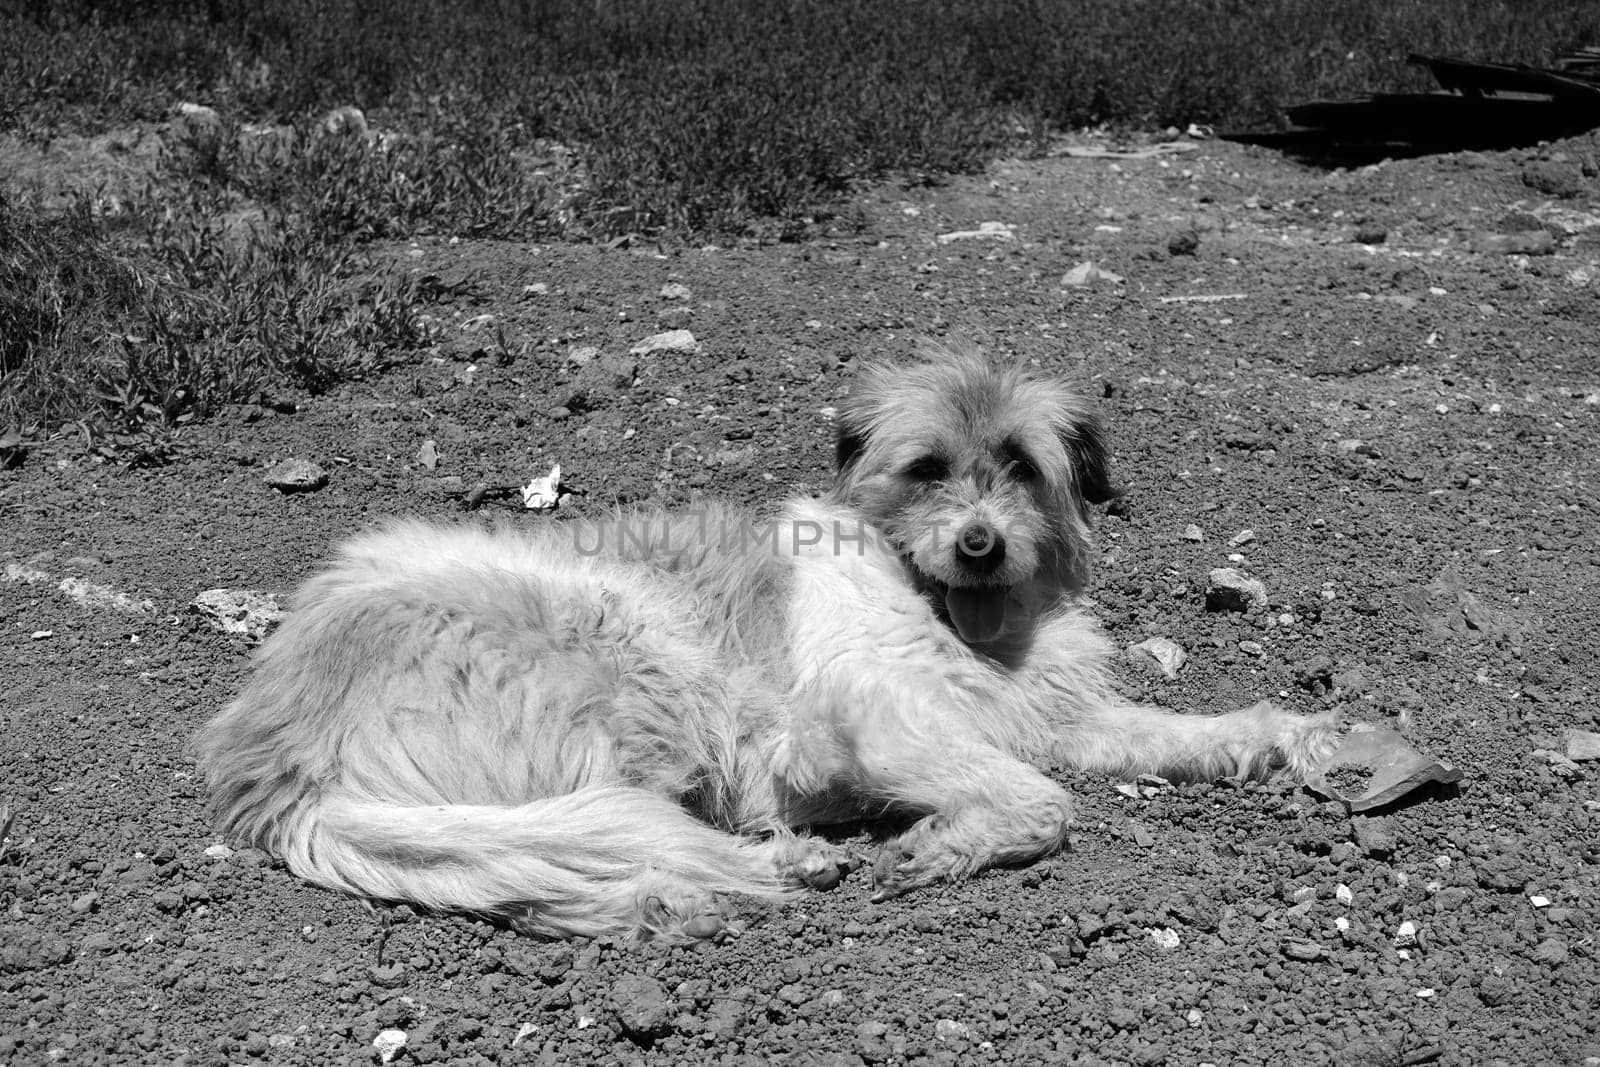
(597, 728)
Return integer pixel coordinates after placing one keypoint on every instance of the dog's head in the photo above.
(982, 476)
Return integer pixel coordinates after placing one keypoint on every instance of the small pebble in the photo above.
(296, 476)
(1305, 951)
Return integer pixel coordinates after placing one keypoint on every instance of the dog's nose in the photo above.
(983, 546)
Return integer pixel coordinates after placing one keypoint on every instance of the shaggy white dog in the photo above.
(598, 727)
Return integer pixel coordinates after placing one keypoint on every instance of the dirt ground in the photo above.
(1357, 367)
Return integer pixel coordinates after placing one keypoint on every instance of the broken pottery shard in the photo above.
(1376, 766)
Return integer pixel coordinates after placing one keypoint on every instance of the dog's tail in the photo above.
(602, 860)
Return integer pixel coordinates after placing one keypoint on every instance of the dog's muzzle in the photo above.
(982, 547)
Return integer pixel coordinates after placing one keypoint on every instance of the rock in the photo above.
(1503, 871)
(1350, 680)
(1371, 235)
(872, 1039)
(582, 355)
(1183, 243)
(1193, 533)
(1305, 951)
(671, 341)
(25, 949)
(1242, 538)
(1519, 222)
(239, 611)
(389, 1044)
(675, 291)
(296, 476)
(448, 485)
(1494, 990)
(986, 231)
(1560, 180)
(945, 1030)
(1165, 938)
(1560, 765)
(1582, 745)
(428, 454)
(620, 372)
(344, 121)
(99, 942)
(675, 317)
(1535, 243)
(387, 976)
(1229, 590)
(197, 123)
(1315, 674)
(1552, 951)
(1159, 653)
(1249, 441)
(643, 1006)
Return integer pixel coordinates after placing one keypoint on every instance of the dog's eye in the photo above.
(1020, 466)
(927, 469)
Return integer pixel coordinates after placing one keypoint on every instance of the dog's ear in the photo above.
(1086, 447)
(854, 422)
(850, 438)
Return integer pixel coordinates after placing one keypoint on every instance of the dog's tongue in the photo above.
(979, 614)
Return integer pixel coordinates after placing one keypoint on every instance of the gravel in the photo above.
(1446, 560)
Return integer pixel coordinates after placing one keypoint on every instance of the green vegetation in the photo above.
(572, 118)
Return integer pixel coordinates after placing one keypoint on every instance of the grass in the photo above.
(578, 119)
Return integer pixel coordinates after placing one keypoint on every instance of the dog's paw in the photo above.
(1312, 741)
(919, 857)
(675, 916)
(1300, 743)
(815, 864)
(1292, 745)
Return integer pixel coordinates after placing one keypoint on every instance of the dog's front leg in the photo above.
(1129, 740)
(982, 807)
